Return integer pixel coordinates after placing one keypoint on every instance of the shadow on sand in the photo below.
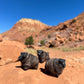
(47, 72)
(25, 69)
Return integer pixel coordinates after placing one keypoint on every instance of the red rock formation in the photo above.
(23, 29)
(69, 31)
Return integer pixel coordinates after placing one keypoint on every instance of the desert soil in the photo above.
(72, 74)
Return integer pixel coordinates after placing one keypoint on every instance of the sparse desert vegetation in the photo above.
(29, 41)
(68, 49)
(49, 36)
(73, 49)
(32, 51)
(42, 42)
(73, 21)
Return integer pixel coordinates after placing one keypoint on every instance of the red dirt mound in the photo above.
(10, 50)
(23, 29)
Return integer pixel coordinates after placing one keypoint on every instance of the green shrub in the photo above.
(36, 35)
(42, 42)
(29, 41)
(49, 36)
(73, 21)
(77, 27)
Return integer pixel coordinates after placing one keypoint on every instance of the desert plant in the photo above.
(49, 36)
(42, 42)
(77, 27)
(29, 41)
(73, 21)
(36, 35)
(73, 49)
(32, 51)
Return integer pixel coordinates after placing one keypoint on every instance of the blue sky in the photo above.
(50, 12)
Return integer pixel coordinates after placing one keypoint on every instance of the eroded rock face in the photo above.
(53, 43)
(67, 32)
(64, 33)
(23, 29)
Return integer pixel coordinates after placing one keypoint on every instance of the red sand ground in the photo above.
(72, 74)
(10, 50)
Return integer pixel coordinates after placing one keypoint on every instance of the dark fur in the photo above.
(55, 66)
(42, 55)
(28, 61)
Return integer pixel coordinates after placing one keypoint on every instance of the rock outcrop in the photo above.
(71, 31)
(23, 29)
